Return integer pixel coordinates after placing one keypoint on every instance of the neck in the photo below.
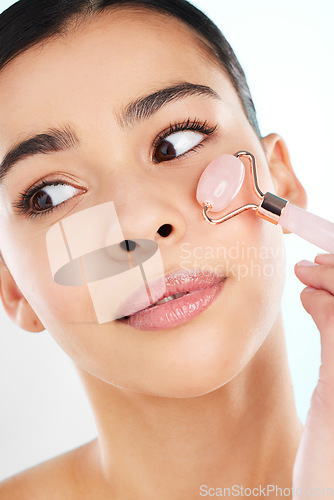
(245, 433)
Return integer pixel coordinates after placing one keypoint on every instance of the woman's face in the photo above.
(87, 79)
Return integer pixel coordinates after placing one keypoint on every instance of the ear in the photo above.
(285, 181)
(15, 304)
(286, 184)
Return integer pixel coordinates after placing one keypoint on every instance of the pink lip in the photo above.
(201, 287)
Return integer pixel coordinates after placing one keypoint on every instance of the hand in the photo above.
(314, 464)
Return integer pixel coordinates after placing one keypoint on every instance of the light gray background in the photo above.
(287, 51)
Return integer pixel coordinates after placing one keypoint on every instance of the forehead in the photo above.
(98, 66)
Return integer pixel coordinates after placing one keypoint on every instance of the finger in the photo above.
(320, 305)
(325, 258)
(316, 275)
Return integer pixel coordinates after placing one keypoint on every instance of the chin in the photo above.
(191, 384)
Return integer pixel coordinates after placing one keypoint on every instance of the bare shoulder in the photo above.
(57, 478)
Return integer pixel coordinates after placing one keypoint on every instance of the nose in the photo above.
(147, 210)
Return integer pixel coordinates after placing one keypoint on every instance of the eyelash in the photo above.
(189, 124)
(23, 204)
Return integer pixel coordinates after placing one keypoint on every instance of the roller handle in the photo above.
(308, 226)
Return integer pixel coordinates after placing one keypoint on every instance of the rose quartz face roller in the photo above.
(220, 183)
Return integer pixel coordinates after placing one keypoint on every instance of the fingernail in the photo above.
(306, 263)
(310, 289)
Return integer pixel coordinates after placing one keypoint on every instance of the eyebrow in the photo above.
(144, 107)
(65, 138)
(53, 140)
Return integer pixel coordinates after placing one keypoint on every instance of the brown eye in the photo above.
(165, 151)
(41, 201)
(176, 145)
(52, 195)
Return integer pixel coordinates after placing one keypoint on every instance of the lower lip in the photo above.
(174, 312)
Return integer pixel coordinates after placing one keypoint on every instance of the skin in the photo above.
(214, 393)
(314, 464)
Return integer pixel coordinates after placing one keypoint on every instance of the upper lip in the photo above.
(172, 283)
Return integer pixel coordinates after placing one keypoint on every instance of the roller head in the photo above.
(220, 182)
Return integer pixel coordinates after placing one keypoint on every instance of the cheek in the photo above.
(252, 253)
(257, 259)
(58, 307)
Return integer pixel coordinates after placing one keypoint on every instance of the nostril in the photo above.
(165, 230)
(128, 245)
